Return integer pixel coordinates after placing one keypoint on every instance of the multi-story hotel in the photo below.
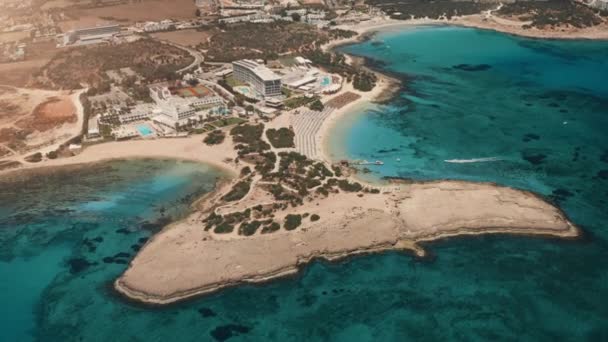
(264, 81)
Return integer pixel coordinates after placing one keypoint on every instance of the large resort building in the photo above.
(264, 81)
(90, 35)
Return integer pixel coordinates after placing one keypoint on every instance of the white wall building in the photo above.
(90, 34)
(263, 80)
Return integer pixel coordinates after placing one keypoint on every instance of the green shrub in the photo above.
(345, 185)
(52, 155)
(292, 221)
(215, 138)
(224, 228)
(315, 217)
(34, 158)
(317, 105)
(364, 81)
(245, 171)
(271, 228)
(281, 138)
(249, 228)
(238, 191)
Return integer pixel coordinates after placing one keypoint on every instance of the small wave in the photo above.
(474, 160)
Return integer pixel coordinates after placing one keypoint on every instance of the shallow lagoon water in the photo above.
(468, 103)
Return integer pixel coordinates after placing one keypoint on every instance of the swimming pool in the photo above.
(243, 90)
(144, 130)
(325, 81)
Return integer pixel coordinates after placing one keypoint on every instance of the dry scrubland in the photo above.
(532, 14)
(33, 118)
(184, 37)
(265, 40)
(20, 73)
(72, 67)
(128, 12)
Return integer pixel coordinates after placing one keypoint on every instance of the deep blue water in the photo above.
(470, 94)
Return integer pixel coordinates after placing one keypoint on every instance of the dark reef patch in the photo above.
(122, 255)
(158, 224)
(604, 156)
(560, 195)
(530, 136)
(388, 150)
(307, 300)
(602, 174)
(206, 312)
(124, 231)
(78, 265)
(534, 158)
(224, 332)
(472, 67)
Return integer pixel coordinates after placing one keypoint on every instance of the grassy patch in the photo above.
(227, 122)
(299, 101)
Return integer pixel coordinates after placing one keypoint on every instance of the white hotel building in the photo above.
(173, 110)
(264, 81)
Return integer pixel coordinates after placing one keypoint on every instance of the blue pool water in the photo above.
(468, 94)
(325, 81)
(144, 130)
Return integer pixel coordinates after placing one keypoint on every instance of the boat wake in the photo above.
(474, 160)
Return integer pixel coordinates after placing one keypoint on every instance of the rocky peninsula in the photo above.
(185, 260)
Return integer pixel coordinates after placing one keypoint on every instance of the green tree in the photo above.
(317, 105)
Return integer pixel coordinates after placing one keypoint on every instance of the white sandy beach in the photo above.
(191, 148)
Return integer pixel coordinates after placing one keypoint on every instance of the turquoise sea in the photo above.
(537, 109)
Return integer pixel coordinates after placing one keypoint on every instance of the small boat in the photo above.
(398, 159)
(378, 162)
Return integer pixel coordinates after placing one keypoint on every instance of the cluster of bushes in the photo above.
(316, 105)
(249, 228)
(151, 59)
(347, 186)
(265, 163)
(238, 191)
(281, 138)
(406, 9)
(52, 155)
(215, 137)
(334, 63)
(364, 81)
(271, 228)
(225, 224)
(280, 194)
(242, 40)
(34, 158)
(248, 138)
(292, 221)
(552, 13)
